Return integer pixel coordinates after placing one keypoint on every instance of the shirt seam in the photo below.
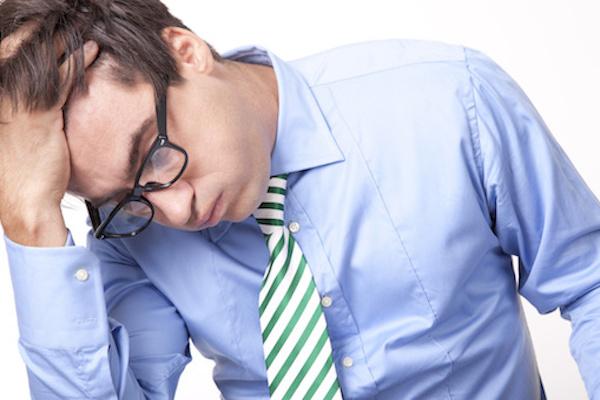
(500, 192)
(178, 365)
(475, 133)
(362, 346)
(474, 123)
(230, 311)
(401, 242)
(79, 361)
(360, 75)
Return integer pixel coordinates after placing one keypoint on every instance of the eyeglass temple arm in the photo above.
(161, 116)
(94, 215)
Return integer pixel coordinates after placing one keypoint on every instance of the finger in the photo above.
(67, 68)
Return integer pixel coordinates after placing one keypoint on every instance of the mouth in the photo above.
(213, 217)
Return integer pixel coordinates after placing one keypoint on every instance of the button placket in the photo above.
(340, 324)
(326, 301)
(343, 333)
(347, 362)
(294, 227)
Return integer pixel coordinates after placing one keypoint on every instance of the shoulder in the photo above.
(370, 57)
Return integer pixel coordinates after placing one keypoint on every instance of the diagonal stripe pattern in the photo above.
(296, 344)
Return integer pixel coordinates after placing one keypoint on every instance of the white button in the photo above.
(347, 362)
(294, 227)
(326, 301)
(82, 275)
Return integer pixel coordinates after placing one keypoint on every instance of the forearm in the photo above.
(65, 337)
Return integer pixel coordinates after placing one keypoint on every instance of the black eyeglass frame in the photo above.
(135, 194)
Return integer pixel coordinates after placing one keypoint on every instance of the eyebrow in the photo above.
(133, 160)
(134, 146)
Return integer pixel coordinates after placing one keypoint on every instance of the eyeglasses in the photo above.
(162, 166)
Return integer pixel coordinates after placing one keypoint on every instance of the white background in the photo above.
(551, 48)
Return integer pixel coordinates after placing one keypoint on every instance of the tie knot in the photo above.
(269, 214)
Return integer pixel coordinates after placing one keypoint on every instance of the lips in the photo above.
(204, 219)
(211, 218)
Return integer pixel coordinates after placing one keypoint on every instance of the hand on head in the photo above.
(34, 161)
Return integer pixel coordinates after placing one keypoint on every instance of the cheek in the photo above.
(229, 160)
(251, 189)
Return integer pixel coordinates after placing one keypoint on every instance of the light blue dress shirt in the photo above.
(416, 168)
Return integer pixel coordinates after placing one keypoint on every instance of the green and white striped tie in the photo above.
(295, 340)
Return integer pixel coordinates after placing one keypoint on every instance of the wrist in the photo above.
(36, 227)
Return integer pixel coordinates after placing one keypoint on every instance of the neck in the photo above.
(262, 95)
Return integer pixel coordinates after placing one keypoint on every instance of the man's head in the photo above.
(222, 112)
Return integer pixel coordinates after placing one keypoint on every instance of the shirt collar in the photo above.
(303, 139)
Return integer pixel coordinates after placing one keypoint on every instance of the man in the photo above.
(389, 180)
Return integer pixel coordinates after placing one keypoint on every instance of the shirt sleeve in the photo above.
(92, 326)
(543, 212)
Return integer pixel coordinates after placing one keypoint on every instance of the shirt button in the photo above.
(326, 301)
(82, 275)
(294, 227)
(347, 362)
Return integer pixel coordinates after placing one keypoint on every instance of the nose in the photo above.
(172, 205)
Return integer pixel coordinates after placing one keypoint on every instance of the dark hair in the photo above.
(127, 32)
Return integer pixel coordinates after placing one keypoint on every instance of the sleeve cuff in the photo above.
(58, 295)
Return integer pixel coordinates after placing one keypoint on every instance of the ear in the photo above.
(190, 52)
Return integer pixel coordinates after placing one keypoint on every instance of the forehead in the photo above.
(99, 125)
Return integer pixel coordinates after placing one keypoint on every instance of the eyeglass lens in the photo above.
(133, 216)
(163, 166)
